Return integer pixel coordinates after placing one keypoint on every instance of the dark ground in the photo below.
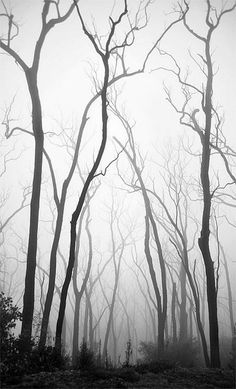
(177, 378)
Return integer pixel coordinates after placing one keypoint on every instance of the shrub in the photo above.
(184, 354)
(47, 359)
(128, 354)
(19, 362)
(14, 360)
(148, 350)
(86, 357)
(9, 314)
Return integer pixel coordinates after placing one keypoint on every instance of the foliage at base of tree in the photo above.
(185, 354)
(19, 362)
(15, 361)
(86, 358)
(9, 314)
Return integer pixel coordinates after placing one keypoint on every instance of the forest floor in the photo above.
(177, 378)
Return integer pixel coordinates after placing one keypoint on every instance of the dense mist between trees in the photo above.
(118, 184)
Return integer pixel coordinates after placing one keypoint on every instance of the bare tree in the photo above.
(149, 220)
(108, 50)
(204, 131)
(105, 60)
(79, 293)
(117, 255)
(179, 239)
(31, 73)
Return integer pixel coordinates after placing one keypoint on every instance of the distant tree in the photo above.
(221, 251)
(150, 302)
(6, 158)
(91, 323)
(119, 241)
(176, 223)
(79, 292)
(137, 164)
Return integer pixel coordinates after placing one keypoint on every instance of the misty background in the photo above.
(119, 298)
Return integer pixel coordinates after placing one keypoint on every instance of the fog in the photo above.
(154, 248)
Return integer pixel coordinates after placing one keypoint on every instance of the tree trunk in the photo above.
(161, 301)
(86, 320)
(79, 293)
(229, 289)
(109, 323)
(203, 241)
(173, 317)
(78, 209)
(161, 322)
(52, 278)
(28, 299)
(183, 325)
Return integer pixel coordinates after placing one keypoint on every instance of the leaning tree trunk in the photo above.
(104, 56)
(78, 209)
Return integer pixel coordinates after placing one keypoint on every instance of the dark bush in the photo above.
(9, 315)
(19, 362)
(148, 351)
(47, 359)
(155, 367)
(86, 357)
(184, 354)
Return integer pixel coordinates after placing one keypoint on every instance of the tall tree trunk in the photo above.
(183, 325)
(203, 241)
(52, 278)
(90, 317)
(161, 322)
(31, 77)
(78, 209)
(112, 305)
(229, 289)
(79, 293)
(161, 300)
(60, 205)
(191, 322)
(28, 299)
(86, 323)
(104, 56)
(173, 317)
